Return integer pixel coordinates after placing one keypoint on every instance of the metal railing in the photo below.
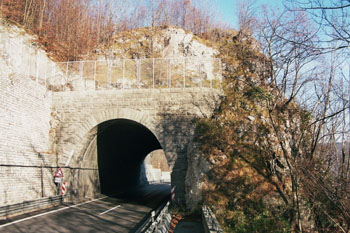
(210, 224)
(157, 221)
(28, 206)
(135, 74)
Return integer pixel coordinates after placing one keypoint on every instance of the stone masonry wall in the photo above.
(27, 164)
(168, 113)
(25, 173)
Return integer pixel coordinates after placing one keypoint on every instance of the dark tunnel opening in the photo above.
(122, 145)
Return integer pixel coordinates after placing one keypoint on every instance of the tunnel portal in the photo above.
(122, 145)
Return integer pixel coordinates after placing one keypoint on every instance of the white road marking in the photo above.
(110, 210)
(50, 212)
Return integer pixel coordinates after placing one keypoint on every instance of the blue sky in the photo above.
(228, 9)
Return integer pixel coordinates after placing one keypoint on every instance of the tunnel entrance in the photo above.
(156, 168)
(122, 146)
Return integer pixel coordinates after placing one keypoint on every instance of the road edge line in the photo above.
(50, 212)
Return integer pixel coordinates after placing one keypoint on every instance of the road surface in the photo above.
(121, 213)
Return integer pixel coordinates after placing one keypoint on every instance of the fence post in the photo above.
(184, 72)
(108, 74)
(45, 77)
(220, 70)
(153, 73)
(169, 74)
(123, 74)
(167, 71)
(212, 61)
(37, 68)
(52, 73)
(95, 74)
(138, 72)
(21, 65)
(66, 77)
(199, 74)
(81, 70)
(82, 73)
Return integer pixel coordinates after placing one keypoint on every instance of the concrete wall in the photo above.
(167, 113)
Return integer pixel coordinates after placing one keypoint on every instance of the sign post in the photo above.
(58, 179)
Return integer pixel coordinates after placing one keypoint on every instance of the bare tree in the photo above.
(246, 17)
(301, 70)
(332, 17)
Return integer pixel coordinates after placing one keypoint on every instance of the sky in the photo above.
(228, 9)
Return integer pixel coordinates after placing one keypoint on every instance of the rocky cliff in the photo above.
(158, 42)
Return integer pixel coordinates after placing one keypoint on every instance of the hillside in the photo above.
(242, 160)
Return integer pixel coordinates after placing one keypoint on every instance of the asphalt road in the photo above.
(121, 213)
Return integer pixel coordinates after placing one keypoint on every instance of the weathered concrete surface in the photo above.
(167, 113)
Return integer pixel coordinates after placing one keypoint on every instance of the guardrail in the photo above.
(164, 181)
(135, 74)
(210, 223)
(158, 220)
(27, 206)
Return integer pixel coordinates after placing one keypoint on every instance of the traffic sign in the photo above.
(59, 173)
(58, 179)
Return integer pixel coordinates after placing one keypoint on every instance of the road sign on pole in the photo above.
(58, 179)
(59, 173)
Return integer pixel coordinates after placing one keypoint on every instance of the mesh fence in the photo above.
(125, 73)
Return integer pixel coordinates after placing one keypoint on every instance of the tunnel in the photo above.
(122, 146)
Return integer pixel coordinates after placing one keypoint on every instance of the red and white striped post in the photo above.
(63, 188)
(173, 193)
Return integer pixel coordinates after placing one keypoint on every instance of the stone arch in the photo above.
(87, 130)
(86, 178)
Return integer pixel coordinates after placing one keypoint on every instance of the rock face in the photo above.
(178, 43)
(169, 42)
(197, 169)
(20, 55)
